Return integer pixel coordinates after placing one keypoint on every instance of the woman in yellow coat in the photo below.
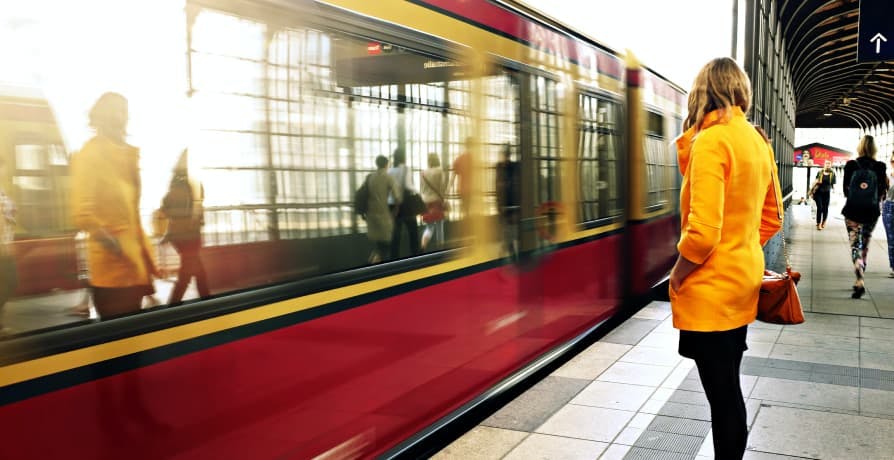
(105, 203)
(728, 207)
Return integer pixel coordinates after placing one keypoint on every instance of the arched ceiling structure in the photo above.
(833, 90)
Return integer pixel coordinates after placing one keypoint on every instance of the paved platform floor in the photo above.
(25, 314)
(823, 389)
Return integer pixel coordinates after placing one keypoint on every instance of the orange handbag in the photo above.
(778, 302)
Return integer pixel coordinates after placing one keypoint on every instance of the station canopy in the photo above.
(832, 89)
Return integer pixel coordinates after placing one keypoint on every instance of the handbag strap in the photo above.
(425, 179)
(774, 181)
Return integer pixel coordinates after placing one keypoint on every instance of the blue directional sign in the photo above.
(876, 33)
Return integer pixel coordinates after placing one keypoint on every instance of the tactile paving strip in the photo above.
(819, 373)
(669, 442)
(639, 453)
(680, 426)
(689, 411)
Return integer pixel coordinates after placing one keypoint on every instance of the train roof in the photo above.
(13, 91)
(559, 26)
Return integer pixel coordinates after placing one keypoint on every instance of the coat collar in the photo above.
(714, 117)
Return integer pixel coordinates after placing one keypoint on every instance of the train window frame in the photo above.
(79, 333)
(53, 179)
(400, 100)
(546, 133)
(605, 213)
(660, 163)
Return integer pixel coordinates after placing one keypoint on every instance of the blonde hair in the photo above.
(433, 160)
(720, 84)
(866, 147)
(104, 112)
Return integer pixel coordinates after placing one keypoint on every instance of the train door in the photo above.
(520, 184)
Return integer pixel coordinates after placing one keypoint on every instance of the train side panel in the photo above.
(360, 380)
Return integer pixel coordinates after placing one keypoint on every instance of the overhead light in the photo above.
(827, 114)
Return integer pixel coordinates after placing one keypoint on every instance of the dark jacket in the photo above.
(183, 205)
(826, 182)
(864, 216)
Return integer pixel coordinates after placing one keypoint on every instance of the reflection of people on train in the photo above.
(433, 189)
(401, 174)
(379, 217)
(461, 176)
(8, 276)
(507, 187)
(821, 192)
(105, 203)
(182, 205)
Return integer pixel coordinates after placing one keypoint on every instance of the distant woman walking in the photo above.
(822, 191)
(865, 185)
(728, 205)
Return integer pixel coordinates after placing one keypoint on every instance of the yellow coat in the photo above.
(106, 194)
(728, 211)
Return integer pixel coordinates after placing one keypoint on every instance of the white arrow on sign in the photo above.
(878, 38)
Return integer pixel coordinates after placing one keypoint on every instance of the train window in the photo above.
(545, 138)
(598, 158)
(281, 160)
(39, 182)
(281, 126)
(499, 131)
(661, 164)
(654, 124)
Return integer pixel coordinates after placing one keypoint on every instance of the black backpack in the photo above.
(862, 191)
(361, 198)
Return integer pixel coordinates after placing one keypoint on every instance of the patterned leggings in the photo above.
(859, 235)
(888, 221)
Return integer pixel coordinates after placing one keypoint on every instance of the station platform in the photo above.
(823, 389)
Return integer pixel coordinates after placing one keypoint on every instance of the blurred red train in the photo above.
(305, 350)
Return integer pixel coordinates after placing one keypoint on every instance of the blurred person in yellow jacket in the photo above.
(105, 203)
(728, 204)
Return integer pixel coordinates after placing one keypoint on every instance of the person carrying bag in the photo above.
(409, 206)
(434, 186)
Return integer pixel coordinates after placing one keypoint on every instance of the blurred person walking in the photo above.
(728, 199)
(105, 203)
(821, 192)
(865, 185)
(508, 194)
(462, 169)
(405, 216)
(433, 190)
(379, 216)
(182, 205)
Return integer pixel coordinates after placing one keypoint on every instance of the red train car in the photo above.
(305, 350)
